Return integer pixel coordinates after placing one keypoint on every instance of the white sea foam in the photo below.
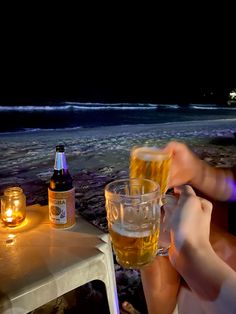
(169, 106)
(76, 106)
(71, 106)
(34, 108)
(211, 107)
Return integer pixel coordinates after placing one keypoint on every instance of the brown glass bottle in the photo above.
(61, 193)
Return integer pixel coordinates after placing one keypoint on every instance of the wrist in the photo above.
(182, 259)
(200, 169)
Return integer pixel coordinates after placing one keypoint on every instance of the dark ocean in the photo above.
(69, 115)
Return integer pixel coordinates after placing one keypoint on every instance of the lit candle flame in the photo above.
(9, 215)
(9, 212)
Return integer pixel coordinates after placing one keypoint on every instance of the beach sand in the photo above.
(97, 156)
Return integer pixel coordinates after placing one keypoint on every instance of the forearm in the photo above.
(218, 183)
(210, 279)
(224, 245)
(160, 284)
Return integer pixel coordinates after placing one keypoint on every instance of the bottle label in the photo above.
(61, 207)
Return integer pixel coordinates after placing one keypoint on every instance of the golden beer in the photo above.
(134, 249)
(133, 215)
(151, 163)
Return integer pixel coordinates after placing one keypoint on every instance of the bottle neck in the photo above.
(60, 161)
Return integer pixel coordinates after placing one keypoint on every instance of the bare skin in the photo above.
(161, 285)
(197, 249)
(128, 308)
(191, 254)
(187, 168)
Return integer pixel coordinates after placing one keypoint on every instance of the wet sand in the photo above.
(31, 155)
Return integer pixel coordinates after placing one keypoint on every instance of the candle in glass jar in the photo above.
(9, 215)
(13, 206)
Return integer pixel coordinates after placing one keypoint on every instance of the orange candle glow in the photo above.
(9, 213)
(13, 206)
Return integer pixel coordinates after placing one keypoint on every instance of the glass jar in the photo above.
(13, 206)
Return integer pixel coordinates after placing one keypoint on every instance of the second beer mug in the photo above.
(133, 215)
(151, 163)
(154, 164)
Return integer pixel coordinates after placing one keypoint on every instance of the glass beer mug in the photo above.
(152, 163)
(133, 215)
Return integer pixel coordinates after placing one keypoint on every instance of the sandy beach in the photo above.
(98, 155)
(31, 155)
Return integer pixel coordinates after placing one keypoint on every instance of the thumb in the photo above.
(206, 207)
(186, 190)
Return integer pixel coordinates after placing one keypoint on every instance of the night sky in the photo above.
(101, 83)
(92, 91)
(101, 70)
(99, 77)
(117, 54)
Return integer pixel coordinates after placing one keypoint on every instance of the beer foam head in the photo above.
(150, 154)
(124, 231)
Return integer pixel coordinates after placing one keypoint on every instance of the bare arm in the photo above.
(161, 285)
(213, 281)
(187, 168)
(191, 253)
(218, 183)
(224, 245)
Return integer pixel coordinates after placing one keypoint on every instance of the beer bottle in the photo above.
(61, 193)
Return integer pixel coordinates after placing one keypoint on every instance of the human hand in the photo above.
(189, 225)
(185, 167)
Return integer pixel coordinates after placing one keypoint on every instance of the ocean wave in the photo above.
(77, 106)
(112, 105)
(120, 107)
(210, 107)
(129, 106)
(33, 130)
(74, 106)
(34, 108)
(169, 106)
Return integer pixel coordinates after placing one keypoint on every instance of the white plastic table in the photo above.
(39, 263)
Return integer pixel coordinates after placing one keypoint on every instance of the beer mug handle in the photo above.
(169, 203)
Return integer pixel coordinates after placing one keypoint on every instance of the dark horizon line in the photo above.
(124, 95)
(62, 101)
